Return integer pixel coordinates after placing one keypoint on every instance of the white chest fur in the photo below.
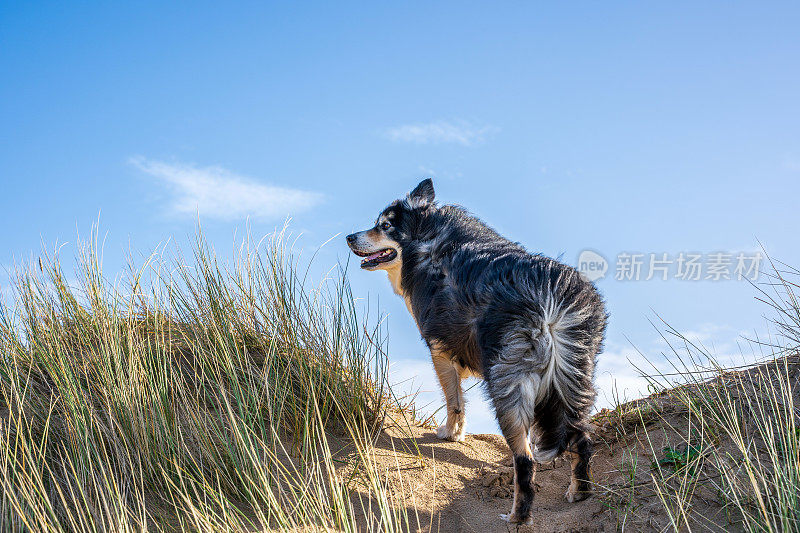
(394, 279)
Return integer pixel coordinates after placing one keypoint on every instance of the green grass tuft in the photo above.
(187, 396)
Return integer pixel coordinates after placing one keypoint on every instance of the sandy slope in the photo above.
(449, 486)
(466, 486)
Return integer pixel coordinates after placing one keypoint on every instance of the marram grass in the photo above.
(188, 397)
(739, 428)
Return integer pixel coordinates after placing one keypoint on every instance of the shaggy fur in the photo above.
(529, 325)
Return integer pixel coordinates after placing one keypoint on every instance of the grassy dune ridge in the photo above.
(186, 397)
(205, 396)
(721, 450)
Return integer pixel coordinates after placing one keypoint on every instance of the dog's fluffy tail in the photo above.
(569, 357)
(542, 375)
(566, 392)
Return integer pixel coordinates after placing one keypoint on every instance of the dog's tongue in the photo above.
(373, 256)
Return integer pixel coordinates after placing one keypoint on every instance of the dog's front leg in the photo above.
(450, 380)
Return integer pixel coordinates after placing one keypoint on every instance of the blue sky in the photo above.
(634, 128)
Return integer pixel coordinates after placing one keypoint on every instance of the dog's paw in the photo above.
(446, 433)
(514, 519)
(574, 494)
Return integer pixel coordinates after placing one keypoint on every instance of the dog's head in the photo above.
(399, 224)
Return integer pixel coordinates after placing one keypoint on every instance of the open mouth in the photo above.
(376, 258)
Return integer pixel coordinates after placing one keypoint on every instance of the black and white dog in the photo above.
(529, 325)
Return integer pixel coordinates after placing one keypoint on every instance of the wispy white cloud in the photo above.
(438, 132)
(621, 370)
(216, 192)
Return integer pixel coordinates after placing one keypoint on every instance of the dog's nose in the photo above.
(351, 238)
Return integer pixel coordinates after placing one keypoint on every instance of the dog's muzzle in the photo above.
(370, 258)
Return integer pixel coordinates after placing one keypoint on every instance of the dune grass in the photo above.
(732, 435)
(188, 396)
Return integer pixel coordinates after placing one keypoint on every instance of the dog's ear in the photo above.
(423, 192)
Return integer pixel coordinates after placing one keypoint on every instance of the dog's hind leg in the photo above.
(560, 430)
(516, 435)
(450, 380)
(580, 487)
(513, 385)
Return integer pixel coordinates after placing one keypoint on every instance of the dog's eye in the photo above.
(385, 226)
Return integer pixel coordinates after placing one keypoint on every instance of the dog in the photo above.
(530, 326)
